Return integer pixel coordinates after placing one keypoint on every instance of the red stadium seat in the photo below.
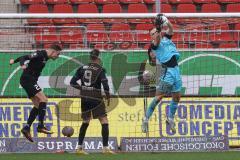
(182, 45)
(236, 35)
(203, 45)
(112, 8)
(111, 46)
(45, 35)
(150, 1)
(88, 8)
(195, 36)
(32, 1)
(180, 1)
(164, 1)
(81, 1)
(211, 8)
(186, 8)
(76, 46)
(143, 37)
(38, 8)
(147, 27)
(56, 1)
(228, 45)
(106, 46)
(63, 8)
(205, 1)
(121, 32)
(233, 7)
(106, 1)
(237, 26)
(138, 8)
(130, 1)
(228, 1)
(220, 37)
(127, 46)
(165, 8)
(146, 46)
(177, 37)
(71, 35)
(96, 33)
(219, 27)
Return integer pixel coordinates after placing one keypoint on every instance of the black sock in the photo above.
(105, 134)
(32, 116)
(82, 133)
(42, 113)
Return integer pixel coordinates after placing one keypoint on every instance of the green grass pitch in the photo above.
(231, 155)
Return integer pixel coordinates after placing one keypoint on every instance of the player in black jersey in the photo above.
(32, 66)
(92, 104)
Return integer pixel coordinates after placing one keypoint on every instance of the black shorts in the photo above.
(29, 83)
(92, 109)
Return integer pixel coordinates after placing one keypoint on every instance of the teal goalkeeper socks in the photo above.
(151, 107)
(173, 108)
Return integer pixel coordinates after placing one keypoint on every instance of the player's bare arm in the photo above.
(170, 27)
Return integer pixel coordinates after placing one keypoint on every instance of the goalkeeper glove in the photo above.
(160, 21)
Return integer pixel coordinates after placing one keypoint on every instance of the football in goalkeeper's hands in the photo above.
(67, 131)
(148, 76)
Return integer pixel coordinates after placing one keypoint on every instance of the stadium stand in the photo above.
(88, 8)
(120, 32)
(211, 8)
(81, 1)
(38, 8)
(63, 8)
(204, 1)
(143, 37)
(228, 1)
(186, 8)
(106, 1)
(138, 8)
(165, 8)
(132, 6)
(150, 1)
(71, 35)
(180, 1)
(32, 1)
(233, 8)
(96, 33)
(46, 35)
(56, 1)
(130, 1)
(112, 8)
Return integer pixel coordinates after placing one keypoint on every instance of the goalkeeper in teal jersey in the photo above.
(170, 80)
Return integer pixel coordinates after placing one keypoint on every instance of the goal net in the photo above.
(209, 64)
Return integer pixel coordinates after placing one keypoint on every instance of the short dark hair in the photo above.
(56, 47)
(94, 54)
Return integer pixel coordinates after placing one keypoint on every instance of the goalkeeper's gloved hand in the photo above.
(160, 21)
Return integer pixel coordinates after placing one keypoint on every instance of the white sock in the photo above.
(80, 147)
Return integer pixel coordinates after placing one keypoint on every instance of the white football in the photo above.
(148, 76)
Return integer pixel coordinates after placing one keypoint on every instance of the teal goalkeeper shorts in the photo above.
(170, 81)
